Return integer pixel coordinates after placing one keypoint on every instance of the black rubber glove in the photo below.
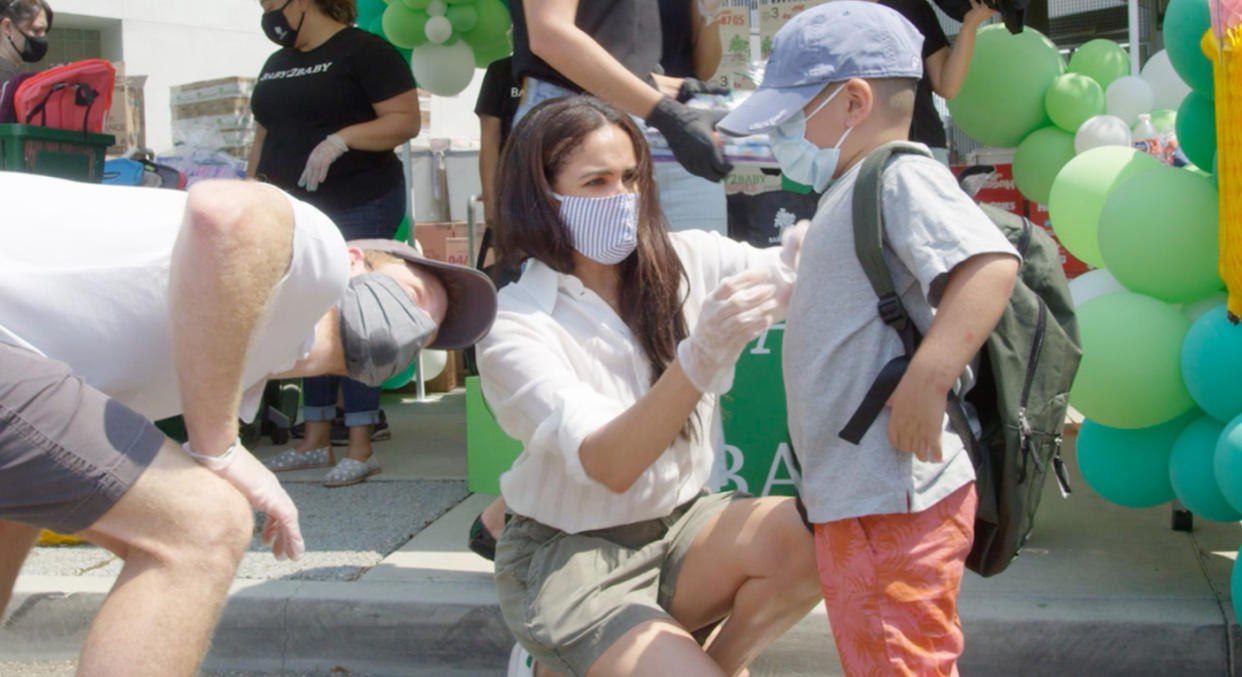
(692, 86)
(689, 136)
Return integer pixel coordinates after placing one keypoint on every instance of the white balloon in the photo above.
(432, 362)
(443, 70)
(1127, 97)
(1195, 310)
(1167, 87)
(438, 29)
(1102, 130)
(1093, 283)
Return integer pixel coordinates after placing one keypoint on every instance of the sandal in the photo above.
(292, 459)
(348, 471)
(481, 541)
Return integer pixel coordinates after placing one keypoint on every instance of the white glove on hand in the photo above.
(261, 488)
(320, 159)
(785, 272)
(734, 314)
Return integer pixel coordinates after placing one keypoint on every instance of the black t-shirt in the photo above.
(629, 30)
(677, 28)
(926, 127)
(499, 95)
(302, 97)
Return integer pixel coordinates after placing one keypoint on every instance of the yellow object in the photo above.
(1225, 52)
(53, 538)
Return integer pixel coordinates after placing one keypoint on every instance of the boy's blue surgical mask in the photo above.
(801, 160)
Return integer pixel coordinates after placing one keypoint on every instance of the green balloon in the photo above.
(418, 5)
(1002, 98)
(484, 55)
(1193, 473)
(403, 231)
(1079, 191)
(1130, 375)
(400, 380)
(1101, 60)
(462, 17)
(1196, 129)
(1071, 99)
(404, 27)
(1185, 22)
(1159, 235)
(1129, 467)
(1038, 160)
(491, 26)
(1164, 120)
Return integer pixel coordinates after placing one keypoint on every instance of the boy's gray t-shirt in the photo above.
(835, 342)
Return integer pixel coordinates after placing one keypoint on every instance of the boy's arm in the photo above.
(972, 302)
(947, 68)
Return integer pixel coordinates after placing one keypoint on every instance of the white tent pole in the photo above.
(1134, 36)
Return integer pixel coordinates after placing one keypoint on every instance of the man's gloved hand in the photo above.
(261, 488)
(321, 158)
(689, 135)
(733, 315)
(692, 86)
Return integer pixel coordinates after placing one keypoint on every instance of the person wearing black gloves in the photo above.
(609, 48)
(331, 105)
(23, 26)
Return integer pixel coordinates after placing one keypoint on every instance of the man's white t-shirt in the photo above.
(84, 280)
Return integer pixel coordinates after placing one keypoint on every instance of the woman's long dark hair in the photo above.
(528, 222)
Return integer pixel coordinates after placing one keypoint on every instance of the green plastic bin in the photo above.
(53, 152)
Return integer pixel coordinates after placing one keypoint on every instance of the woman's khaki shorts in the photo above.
(568, 597)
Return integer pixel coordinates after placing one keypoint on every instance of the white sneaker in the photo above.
(521, 663)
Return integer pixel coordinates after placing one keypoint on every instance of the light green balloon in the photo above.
(491, 25)
(1129, 467)
(1158, 235)
(412, 4)
(463, 17)
(1102, 60)
(1164, 120)
(404, 27)
(1079, 191)
(1071, 99)
(1002, 98)
(1130, 375)
(1038, 160)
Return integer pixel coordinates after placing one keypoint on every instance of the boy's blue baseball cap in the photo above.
(827, 43)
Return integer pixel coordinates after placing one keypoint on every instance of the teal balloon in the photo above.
(404, 27)
(1212, 364)
(1079, 191)
(1159, 235)
(1101, 60)
(1071, 99)
(1192, 471)
(1130, 375)
(1235, 583)
(1228, 462)
(462, 17)
(1196, 129)
(1185, 22)
(1038, 160)
(369, 11)
(1002, 99)
(1129, 467)
(402, 379)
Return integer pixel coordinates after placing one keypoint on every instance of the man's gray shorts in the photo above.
(67, 451)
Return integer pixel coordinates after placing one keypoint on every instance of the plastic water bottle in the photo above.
(1145, 137)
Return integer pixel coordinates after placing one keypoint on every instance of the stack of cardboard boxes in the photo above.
(214, 113)
(125, 119)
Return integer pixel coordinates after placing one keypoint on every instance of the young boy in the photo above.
(893, 516)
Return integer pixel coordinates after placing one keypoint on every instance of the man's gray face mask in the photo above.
(381, 328)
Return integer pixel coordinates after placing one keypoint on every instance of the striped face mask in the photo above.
(604, 229)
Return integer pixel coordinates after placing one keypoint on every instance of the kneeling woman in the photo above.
(606, 361)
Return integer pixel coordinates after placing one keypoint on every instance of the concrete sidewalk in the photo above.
(1100, 590)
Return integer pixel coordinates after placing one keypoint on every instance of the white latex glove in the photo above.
(321, 158)
(785, 273)
(261, 488)
(734, 314)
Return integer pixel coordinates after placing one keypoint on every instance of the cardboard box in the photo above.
(126, 119)
(451, 377)
(214, 113)
(434, 238)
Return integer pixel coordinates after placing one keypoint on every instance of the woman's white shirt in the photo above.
(559, 364)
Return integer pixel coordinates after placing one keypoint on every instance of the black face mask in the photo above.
(277, 29)
(35, 49)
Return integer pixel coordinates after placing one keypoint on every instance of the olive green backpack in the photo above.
(1022, 390)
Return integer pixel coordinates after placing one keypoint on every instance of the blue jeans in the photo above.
(378, 218)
